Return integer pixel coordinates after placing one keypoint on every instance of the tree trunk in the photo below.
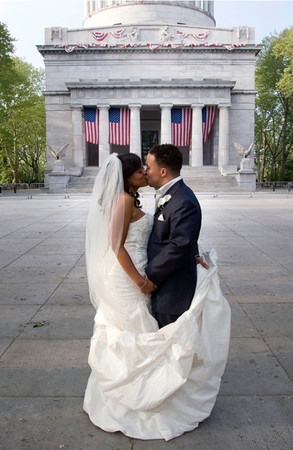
(36, 172)
(263, 162)
(15, 173)
(273, 168)
(284, 155)
(15, 165)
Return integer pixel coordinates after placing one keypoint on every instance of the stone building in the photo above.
(150, 59)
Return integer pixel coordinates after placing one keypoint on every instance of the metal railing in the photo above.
(21, 189)
(274, 186)
(204, 187)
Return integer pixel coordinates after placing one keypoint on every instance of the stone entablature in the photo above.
(124, 91)
(149, 36)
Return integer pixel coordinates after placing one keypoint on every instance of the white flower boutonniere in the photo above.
(163, 201)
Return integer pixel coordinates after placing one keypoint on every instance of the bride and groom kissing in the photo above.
(154, 374)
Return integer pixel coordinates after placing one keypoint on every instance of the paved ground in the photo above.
(47, 320)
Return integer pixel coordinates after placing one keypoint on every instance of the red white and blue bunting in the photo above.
(99, 36)
(117, 34)
(71, 48)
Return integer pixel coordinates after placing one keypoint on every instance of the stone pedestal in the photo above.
(58, 178)
(245, 165)
(58, 166)
(246, 175)
(58, 182)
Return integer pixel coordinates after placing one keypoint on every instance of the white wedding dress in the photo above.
(151, 383)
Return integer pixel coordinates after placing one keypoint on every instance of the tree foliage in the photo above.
(274, 112)
(6, 62)
(22, 114)
(284, 47)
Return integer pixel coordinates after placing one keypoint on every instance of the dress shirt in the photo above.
(163, 189)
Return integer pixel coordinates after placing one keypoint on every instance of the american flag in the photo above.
(91, 125)
(180, 126)
(119, 126)
(208, 117)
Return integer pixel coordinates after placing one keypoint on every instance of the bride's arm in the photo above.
(123, 256)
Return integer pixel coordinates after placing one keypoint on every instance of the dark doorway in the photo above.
(185, 154)
(148, 140)
(92, 154)
(119, 149)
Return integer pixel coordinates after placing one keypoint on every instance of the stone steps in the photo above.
(199, 179)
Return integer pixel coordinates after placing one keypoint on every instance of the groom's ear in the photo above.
(164, 172)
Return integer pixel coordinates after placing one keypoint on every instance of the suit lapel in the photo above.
(171, 191)
(174, 188)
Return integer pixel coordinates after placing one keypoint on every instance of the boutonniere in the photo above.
(163, 201)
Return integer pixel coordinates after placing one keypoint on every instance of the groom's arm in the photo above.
(185, 226)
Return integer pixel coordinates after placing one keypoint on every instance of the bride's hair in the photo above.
(130, 164)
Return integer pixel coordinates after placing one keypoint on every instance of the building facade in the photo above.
(153, 60)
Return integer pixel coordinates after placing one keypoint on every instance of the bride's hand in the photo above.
(148, 287)
(200, 261)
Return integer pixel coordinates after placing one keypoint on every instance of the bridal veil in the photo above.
(104, 224)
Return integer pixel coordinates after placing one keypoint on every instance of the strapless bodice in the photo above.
(137, 240)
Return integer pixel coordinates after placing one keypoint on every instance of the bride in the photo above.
(146, 382)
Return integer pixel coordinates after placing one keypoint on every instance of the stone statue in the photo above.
(132, 35)
(241, 150)
(56, 34)
(57, 155)
(245, 163)
(165, 35)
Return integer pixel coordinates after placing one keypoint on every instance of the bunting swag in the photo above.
(208, 117)
(119, 126)
(180, 126)
(91, 125)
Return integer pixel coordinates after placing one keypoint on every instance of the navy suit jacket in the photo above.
(171, 251)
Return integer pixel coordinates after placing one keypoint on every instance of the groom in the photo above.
(172, 248)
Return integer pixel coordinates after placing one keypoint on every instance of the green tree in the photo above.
(6, 61)
(22, 132)
(274, 108)
(284, 47)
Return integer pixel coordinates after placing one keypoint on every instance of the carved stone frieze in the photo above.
(56, 34)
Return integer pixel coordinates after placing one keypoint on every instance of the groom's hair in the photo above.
(168, 156)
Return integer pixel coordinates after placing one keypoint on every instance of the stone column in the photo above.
(211, 8)
(104, 146)
(135, 134)
(223, 158)
(77, 135)
(196, 137)
(166, 122)
(205, 5)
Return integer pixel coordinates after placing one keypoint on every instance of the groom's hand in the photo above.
(200, 261)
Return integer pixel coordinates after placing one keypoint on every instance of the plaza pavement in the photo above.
(47, 321)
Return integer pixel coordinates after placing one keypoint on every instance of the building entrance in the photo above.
(149, 139)
(92, 154)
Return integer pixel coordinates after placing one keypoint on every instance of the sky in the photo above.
(27, 19)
